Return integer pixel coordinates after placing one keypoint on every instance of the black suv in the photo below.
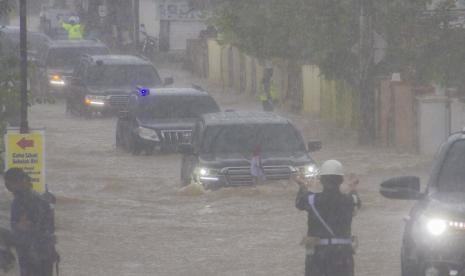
(57, 60)
(223, 145)
(434, 235)
(162, 118)
(103, 83)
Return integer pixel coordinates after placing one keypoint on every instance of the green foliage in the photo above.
(316, 31)
(9, 77)
(423, 46)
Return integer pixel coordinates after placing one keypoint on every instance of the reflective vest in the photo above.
(274, 93)
(74, 31)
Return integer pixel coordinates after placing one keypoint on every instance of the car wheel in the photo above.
(185, 178)
(118, 142)
(134, 147)
(149, 150)
(187, 168)
(211, 186)
(164, 149)
(408, 268)
(68, 107)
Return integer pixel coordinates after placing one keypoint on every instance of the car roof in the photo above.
(243, 117)
(176, 91)
(456, 136)
(118, 59)
(74, 43)
(14, 29)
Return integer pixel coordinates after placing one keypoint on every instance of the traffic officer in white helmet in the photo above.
(329, 242)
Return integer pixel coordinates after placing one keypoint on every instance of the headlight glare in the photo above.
(148, 134)
(56, 80)
(308, 171)
(94, 100)
(436, 227)
(206, 174)
(203, 171)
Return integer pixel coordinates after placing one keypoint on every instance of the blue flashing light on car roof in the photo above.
(143, 91)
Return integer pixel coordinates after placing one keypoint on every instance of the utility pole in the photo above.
(366, 62)
(136, 5)
(24, 127)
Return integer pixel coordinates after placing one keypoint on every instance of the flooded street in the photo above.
(119, 214)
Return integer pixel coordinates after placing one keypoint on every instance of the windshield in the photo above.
(123, 75)
(247, 138)
(452, 176)
(169, 107)
(67, 57)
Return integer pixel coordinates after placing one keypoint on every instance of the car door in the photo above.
(77, 86)
(190, 161)
(41, 71)
(125, 122)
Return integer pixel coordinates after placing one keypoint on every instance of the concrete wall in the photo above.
(149, 15)
(214, 62)
(405, 121)
(433, 118)
(397, 116)
(457, 108)
(332, 100)
(311, 89)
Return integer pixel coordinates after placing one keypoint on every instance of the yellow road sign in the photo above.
(27, 151)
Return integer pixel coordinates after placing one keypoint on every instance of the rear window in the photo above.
(452, 175)
(68, 57)
(246, 138)
(172, 107)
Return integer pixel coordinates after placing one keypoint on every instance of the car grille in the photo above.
(119, 101)
(176, 137)
(240, 176)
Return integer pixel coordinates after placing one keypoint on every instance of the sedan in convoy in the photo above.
(224, 145)
(57, 60)
(434, 234)
(161, 118)
(102, 83)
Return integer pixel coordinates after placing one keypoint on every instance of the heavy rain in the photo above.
(177, 137)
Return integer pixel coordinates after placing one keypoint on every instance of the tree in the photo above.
(9, 80)
(338, 36)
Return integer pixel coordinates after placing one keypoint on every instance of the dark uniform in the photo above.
(32, 224)
(331, 253)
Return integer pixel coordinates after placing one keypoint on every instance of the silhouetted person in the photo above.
(32, 226)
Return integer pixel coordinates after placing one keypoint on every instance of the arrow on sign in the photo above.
(24, 143)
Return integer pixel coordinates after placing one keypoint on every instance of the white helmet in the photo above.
(73, 20)
(332, 167)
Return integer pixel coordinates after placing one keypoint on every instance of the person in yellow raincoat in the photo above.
(269, 94)
(73, 27)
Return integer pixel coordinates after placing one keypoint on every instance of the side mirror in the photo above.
(168, 81)
(313, 146)
(123, 114)
(405, 187)
(186, 149)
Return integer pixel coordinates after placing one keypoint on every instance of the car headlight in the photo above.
(206, 174)
(436, 227)
(56, 80)
(308, 171)
(148, 134)
(94, 100)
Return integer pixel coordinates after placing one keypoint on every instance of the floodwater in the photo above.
(119, 214)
